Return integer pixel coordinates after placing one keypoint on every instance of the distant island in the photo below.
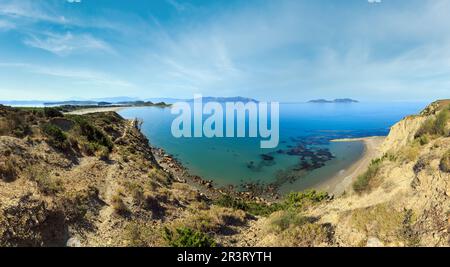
(339, 100)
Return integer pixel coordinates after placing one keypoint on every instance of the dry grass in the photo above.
(290, 228)
(282, 220)
(159, 176)
(215, 220)
(384, 222)
(306, 235)
(8, 170)
(445, 162)
(118, 205)
(103, 153)
(4, 127)
(140, 234)
(47, 184)
(410, 153)
(144, 196)
(185, 192)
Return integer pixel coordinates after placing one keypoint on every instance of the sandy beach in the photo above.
(95, 110)
(343, 180)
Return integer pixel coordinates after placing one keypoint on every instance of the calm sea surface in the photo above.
(304, 157)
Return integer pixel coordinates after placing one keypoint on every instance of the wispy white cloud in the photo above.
(403, 52)
(178, 6)
(68, 43)
(6, 25)
(30, 10)
(83, 76)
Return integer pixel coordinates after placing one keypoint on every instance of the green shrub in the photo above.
(48, 185)
(77, 204)
(55, 133)
(445, 162)
(92, 133)
(362, 183)
(138, 234)
(89, 148)
(426, 128)
(435, 126)
(293, 200)
(441, 123)
(186, 237)
(424, 139)
(253, 208)
(389, 156)
(285, 219)
(298, 199)
(15, 123)
(52, 113)
(407, 232)
(103, 153)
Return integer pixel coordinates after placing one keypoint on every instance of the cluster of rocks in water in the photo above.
(311, 153)
(206, 187)
(310, 150)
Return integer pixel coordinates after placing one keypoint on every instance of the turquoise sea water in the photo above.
(305, 130)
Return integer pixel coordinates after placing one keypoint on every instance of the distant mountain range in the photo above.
(339, 100)
(120, 101)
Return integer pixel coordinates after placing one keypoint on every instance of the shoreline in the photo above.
(95, 110)
(340, 182)
(335, 185)
(178, 171)
(206, 187)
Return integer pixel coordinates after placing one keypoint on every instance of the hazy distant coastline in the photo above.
(122, 101)
(338, 100)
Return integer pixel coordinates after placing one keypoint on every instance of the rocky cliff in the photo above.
(405, 201)
(93, 180)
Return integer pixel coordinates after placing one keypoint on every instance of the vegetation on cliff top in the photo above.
(186, 237)
(292, 200)
(435, 126)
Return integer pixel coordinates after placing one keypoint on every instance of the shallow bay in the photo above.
(304, 157)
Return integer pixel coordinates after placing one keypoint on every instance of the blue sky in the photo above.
(270, 50)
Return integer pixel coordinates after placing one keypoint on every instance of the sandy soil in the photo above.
(341, 181)
(95, 110)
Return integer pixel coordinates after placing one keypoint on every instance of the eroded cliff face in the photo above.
(402, 133)
(406, 202)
